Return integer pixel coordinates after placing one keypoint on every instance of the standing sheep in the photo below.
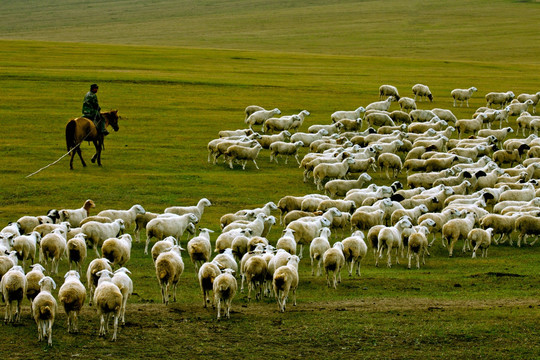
(456, 229)
(52, 247)
(207, 274)
(162, 227)
(92, 276)
(123, 281)
(76, 251)
(74, 217)
(108, 299)
(25, 246)
(418, 246)
(128, 216)
(534, 97)
(480, 238)
(389, 161)
(317, 248)
(117, 250)
(169, 267)
(196, 210)
(352, 115)
(96, 232)
(354, 250)
(407, 104)
(199, 248)
(286, 149)
(463, 95)
(13, 286)
(388, 90)
(72, 295)
(422, 91)
(224, 288)
(243, 154)
(255, 270)
(380, 105)
(286, 280)
(334, 260)
(260, 116)
(33, 278)
(499, 98)
(44, 310)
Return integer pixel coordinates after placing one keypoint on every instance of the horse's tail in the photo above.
(70, 134)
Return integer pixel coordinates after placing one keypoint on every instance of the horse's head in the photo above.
(112, 119)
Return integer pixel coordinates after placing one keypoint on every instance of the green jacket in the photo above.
(90, 106)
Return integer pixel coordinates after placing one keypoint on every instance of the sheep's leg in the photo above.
(286, 158)
(116, 316)
(417, 261)
(351, 268)
(451, 247)
(534, 242)
(410, 258)
(297, 159)
(389, 257)
(312, 268)
(256, 164)
(49, 341)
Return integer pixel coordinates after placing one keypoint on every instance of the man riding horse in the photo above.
(91, 109)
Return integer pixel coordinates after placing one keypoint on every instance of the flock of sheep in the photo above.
(465, 189)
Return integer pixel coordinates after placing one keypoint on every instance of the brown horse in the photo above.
(83, 129)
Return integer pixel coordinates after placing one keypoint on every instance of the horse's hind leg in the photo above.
(80, 156)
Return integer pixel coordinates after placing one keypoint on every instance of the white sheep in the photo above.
(72, 295)
(287, 242)
(108, 299)
(207, 273)
(388, 90)
(334, 260)
(236, 133)
(273, 125)
(44, 309)
(499, 98)
(96, 232)
(518, 108)
(469, 125)
(378, 119)
(13, 286)
(456, 229)
(444, 114)
(199, 248)
(260, 116)
(229, 218)
(380, 105)
(128, 216)
(413, 214)
(391, 238)
(125, 284)
(350, 124)
(390, 161)
(52, 247)
(285, 149)
(117, 250)
(418, 246)
(255, 270)
(28, 223)
(251, 109)
(243, 154)
(226, 260)
(32, 282)
(317, 248)
(92, 276)
(285, 281)
(339, 187)
(407, 104)
(527, 225)
(217, 147)
(353, 115)
(305, 232)
(75, 216)
(175, 226)
(169, 267)
(480, 238)
(354, 250)
(76, 250)
(25, 246)
(224, 288)
(527, 193)
(308, 138)
(333, 171)
(534, 97)
(267, 140)
(422, 91)
(364, 220)
(196, 210)
(462, 95)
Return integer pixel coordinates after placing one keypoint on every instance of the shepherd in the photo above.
(91, 109)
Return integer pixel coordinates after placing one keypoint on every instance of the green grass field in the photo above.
(179, 73)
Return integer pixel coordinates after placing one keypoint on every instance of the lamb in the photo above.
(390, 238)
(456, 229)
(353, 115)
(334, 171)
(422, 91)
(334, 260)
(418, 245)
(117, 250)
(92, 276)
(25, 246)
(480, 238)
(224, 288)
(169, 267)
(52, 247)
(380, 105)
(388, 90)
(534, 97)
(125, 284)
(339, 187)
(260, 116)
(96, 233)
(196, 210)
(72, 295)
(286, 280)
(462, 95)
(108, 299)
(13, 286)
(308, 138)
(33, 278)
(519, 108)
(317, 248)
(76, 250)
(74, 217)
(255, 273)
(175, 226)
(45, 308)
(199, 248)
(379, 119)
(406, 103)
(499, 98)
(207, 274)
(391, 161)
(128, 216)
(354, 250)
(286, 149)
(243, 154)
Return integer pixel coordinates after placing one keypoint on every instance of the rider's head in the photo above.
(94, 87)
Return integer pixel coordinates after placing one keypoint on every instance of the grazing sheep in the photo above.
(196, 210)
(317, 248)
(27, 224)
(207, 273)
(422, 91)
(418, 246)
(267, 140)
(13, 286)
(199, 248)
(388, 90)
(108, 299)
(286, 280)
(519, 108)
(480, 238)
(353, 115)
(125, 284)
(25, 246)
(45, 308)
(499, 98)
(33, 278)
(224, 288)
(534, 97)
(76, 251)
(456, 229)
(243, 154)
(445, 114)
(334, 128)
(406, 103)
(175, 226)
(96, 233)
(260, 116)
(128, 216)
(117, 250)
(74, 217)
(354, 250)
(334, 260)
(52, 247)
(500, 134)
(462, 95)
(389, 161)
(286, 149)
(422, 116)
(72, 295)
(504, 157)
(169, 267)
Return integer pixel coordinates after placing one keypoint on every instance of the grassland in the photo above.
(174, 99)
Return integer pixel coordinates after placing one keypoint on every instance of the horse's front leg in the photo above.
(79, 152)
(97, 155)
